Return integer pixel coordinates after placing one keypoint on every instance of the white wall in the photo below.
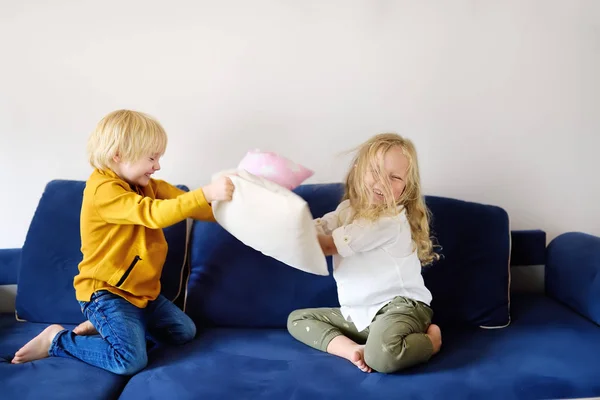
(501, 97)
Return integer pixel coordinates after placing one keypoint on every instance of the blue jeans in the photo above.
(120, 346)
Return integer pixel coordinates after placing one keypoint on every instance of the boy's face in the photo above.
(139, 172)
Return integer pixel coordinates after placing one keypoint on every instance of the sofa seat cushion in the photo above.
(50, 378)
(547, 352)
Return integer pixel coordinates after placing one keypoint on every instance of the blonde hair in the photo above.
(369, 159)
(129, 134)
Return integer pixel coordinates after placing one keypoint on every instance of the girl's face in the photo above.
(394, 170)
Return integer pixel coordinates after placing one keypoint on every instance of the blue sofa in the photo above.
(495, 344)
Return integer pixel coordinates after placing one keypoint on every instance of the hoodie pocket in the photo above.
(129, 269)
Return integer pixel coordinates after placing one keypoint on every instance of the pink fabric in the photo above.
(275, 168)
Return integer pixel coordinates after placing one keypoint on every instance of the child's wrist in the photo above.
(207, 194)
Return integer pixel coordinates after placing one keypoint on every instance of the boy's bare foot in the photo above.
(344, 347)
(85, 328)
(38, 347)
(435, 335)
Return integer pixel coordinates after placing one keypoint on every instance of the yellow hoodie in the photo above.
(122, 241)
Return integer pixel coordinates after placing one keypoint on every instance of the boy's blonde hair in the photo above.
(369, 159)
(129, 134)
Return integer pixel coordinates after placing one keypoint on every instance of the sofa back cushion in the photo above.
(231, 285)
(471, 282)
(51, 254)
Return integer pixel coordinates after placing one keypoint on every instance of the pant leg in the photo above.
(397, 337)
(167, 324)
(120, 346)
(316, 327)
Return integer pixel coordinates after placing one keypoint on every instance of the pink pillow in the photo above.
(275, 168)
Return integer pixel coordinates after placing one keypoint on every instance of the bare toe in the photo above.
(38, 347)
(358, 359)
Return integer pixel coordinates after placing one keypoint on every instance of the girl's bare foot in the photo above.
(85, 328)
(38, 347)
(358, 359)
(342, 346)
(435, 335)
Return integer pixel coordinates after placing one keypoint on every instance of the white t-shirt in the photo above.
(376, 262)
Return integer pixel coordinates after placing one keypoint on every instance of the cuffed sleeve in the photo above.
(361, 236)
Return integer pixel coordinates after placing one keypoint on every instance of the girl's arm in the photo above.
(361, 236)
(331, 221)
(327, 223)
(327, 245)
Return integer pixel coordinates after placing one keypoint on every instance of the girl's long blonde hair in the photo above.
(369, 160)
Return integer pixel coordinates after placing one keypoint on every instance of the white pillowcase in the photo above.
(272, 220)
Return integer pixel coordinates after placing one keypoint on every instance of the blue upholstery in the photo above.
(232, 285)
(10, 260)
(50, 378)
(573, 272)
(51, 254)
(475, 245)
(531, 359)
(241, 300)
(235, 286)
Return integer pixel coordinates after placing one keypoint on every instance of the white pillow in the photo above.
(273, 220)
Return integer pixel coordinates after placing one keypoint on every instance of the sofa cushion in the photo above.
(514, 363)
(573, 272)
(470, 284)
(50, 378)
(275, 168)
(232, 285)
(51, 255)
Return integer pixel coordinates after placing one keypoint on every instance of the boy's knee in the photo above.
(131, 364)
(181, 333)
(187, 334)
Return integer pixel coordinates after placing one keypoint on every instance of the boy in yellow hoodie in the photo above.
(118, 286)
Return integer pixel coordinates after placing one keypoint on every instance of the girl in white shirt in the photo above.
(379, 238)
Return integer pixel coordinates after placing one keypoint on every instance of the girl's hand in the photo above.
(220, 190)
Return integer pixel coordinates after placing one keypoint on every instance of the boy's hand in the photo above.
(221, 189)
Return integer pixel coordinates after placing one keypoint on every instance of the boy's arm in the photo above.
(116, 204)
(164, 191)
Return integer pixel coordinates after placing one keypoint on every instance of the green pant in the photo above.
(395, 340)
